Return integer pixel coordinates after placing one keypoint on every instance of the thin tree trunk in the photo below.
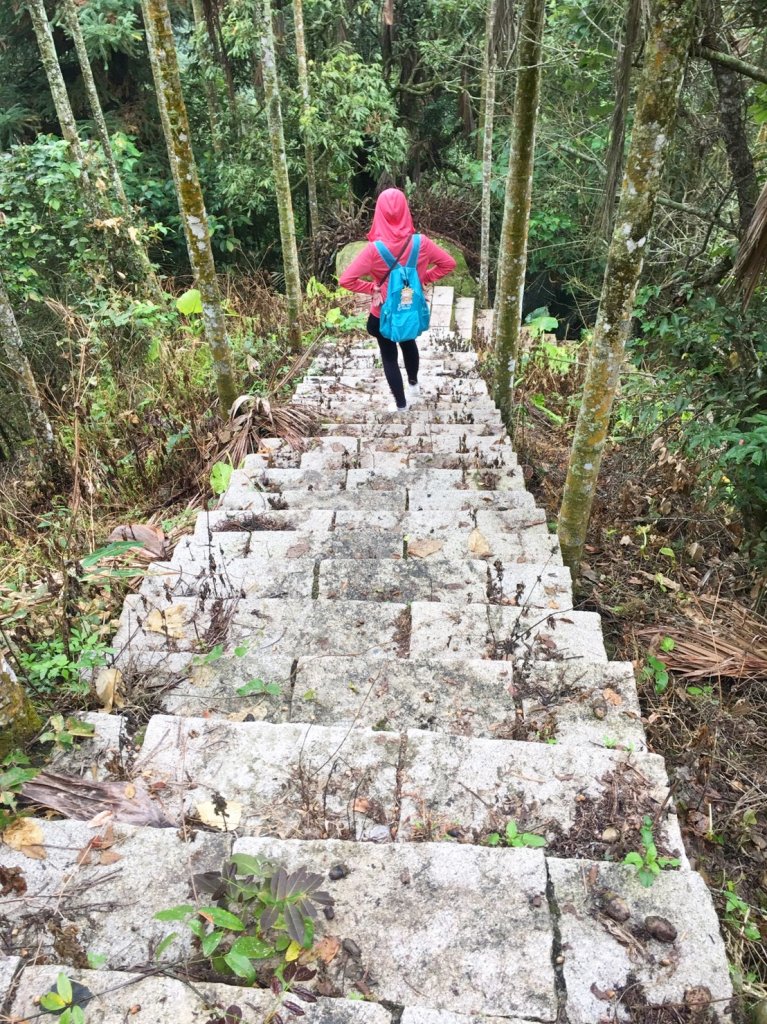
(130, 235)
(207, 60)
(175, 125)
(281, 177)
(512, 260)
(19, 722)
(667, 48)
(732, 118)
(16, 359)
(306, 103)
(614, 160)
(487, 118)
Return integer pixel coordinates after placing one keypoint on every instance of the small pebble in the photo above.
(351, 947)
(617, 909)
(599, 709)
(250, 717)
(329, 913)
(660, 929)
(337, 872)
(405, 876)
(610, 835)
(454, 833)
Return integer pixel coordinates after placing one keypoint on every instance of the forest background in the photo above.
(395, 93)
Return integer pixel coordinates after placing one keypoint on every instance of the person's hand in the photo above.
(376, 294)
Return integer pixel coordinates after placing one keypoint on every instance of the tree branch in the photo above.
(728, 60)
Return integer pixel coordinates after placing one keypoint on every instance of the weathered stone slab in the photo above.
(238, 577)
(383, 478)
(421, 500)
(581, 703)
(9, 966)
(450, 927)
(569, 795)
(471, 698)
(105, 904)
(426, 1016)
(289, 545)
(412, 579)
(292, 781)
(212, 526)
(180, 624)
(118, 997)
(246, 498)
(501, 633)
(622, 962)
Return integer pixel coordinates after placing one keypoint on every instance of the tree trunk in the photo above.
(129, 234)
(17, 362)
(732, 117)
(175, 125)
(512, 258)
(487, 117)
(671, 29)
(614, 160)
(19, 722)
(281, 177)
(207, 60)
(303, 81)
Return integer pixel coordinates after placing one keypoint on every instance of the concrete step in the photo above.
(464, 317)
(119, 996)
(296, 781)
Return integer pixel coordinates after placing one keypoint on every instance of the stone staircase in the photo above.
(429, 681)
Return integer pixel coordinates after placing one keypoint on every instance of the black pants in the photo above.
(389, 349)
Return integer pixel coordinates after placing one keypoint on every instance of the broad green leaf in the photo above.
(532, 840)
(64, 987)
(52, 1001)
(241, 966)
(248, 865)
(493, 839)
(220, 476)
(634, 859)
(253, 947)
(190, 302)
(511, 830)
(165, 944)
(96, 960)
(178, 913)
(211, 942)
(110, 551)
(222, 918)
(293, 951)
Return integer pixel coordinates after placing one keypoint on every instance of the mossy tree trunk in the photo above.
(19, 722)
(175, 125)
(306, 113)
(512, 258)
(667, 47)
(131, 238)
(281, 177)
(16, 360)
(489, 66)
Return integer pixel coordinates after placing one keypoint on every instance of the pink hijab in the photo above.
(392, 223)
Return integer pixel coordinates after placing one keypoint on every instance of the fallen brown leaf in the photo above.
(107, 686)
(612, 697)
(26, 836)
(478, 544)
(169, 622)
(424, 548)
(327, 948)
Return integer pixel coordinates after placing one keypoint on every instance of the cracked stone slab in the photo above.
(292, 781)
(446, 444)
(108, 907)
(421, 500)
(295, 544)
(394, 497)
(458, 928)
(382, 479)
(581, 703)
(475, 786)
(119, 997)
(601, 956)
(193, 624)
(499, 633)
(471, 698)
(366, 460)
(423, 1015)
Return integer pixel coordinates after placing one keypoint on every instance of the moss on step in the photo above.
(18, 719)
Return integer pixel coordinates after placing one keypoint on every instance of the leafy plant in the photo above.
(513, 837)
(14, 772)
(220, 475)
(258, 686)
(64, 731)
(61, 1003)
(739, 915)
(60, 662)
(260, 913)
(647, 862)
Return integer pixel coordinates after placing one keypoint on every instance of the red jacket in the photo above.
(433, 263)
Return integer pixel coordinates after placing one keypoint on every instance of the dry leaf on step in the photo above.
(327, 948)
(26, 836)
(226, 822)
(107, 686)
(612, 697)
(109, 857)
(169, 622)
(424, 548)
(478, 544)
(152, 539)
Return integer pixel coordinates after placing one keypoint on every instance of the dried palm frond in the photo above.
(253, 417)
(752, 255)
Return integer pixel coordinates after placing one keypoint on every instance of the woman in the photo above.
(393, 225)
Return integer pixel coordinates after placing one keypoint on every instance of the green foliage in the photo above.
(513, 837)
(14, 772)
(59, 663)
(740, 917)
(220, 475)
(646, 861)
(64, 731)
(655, 670)
(60, 1002)
(263, 913)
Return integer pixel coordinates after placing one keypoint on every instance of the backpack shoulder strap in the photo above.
(413, 257)
(385, 255)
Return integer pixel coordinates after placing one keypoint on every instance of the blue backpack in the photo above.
(405, 313)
